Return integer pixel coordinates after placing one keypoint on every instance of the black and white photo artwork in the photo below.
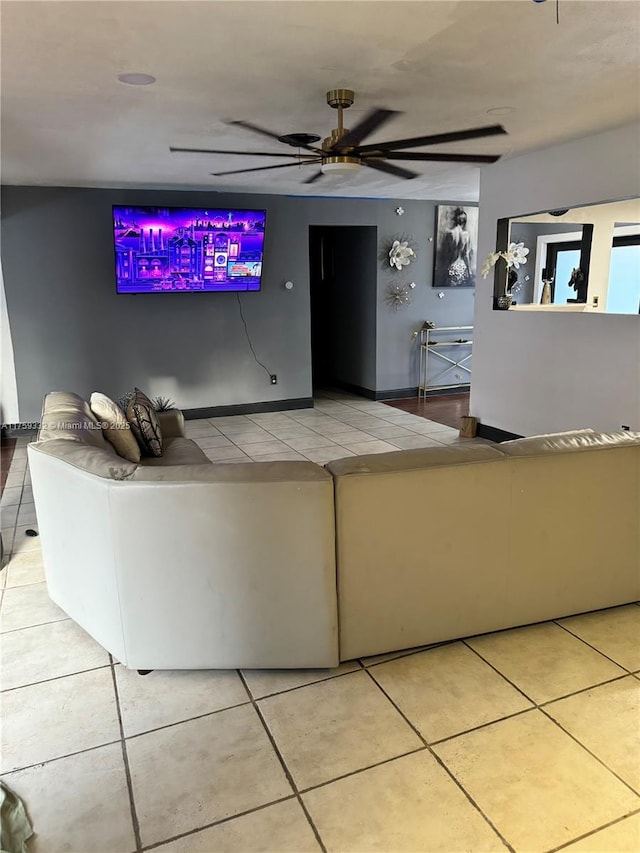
(456, 246)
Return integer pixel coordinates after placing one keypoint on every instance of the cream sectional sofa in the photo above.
(181, 563)
(442, 543)
(178, 563)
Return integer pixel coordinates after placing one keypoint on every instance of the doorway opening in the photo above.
(343, 297)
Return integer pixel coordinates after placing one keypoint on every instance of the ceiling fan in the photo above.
(342, 151)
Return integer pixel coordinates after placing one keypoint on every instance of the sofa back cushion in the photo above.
(569, 442)
(67, 416)
(574, 524)
(413, 527)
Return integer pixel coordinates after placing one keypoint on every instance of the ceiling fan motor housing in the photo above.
(337, 98)
(335, 136)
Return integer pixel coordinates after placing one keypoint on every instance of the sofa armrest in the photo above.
(171, 423)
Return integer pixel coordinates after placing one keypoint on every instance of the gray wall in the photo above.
(72, 331)
(396, 354)
(398, 361)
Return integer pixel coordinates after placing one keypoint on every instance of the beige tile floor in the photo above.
(524, 740)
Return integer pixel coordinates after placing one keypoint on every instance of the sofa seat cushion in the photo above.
(115, 426)
(177, 451)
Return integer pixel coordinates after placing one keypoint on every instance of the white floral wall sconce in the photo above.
(398, 251)
(400, 254)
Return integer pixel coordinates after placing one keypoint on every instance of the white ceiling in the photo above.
(66, 120)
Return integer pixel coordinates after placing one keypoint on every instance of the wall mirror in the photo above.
(589, 255)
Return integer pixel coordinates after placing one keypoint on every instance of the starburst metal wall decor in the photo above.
(398, 295)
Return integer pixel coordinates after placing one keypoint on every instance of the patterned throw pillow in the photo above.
(124, 401)
(116, 429)
(144, 423)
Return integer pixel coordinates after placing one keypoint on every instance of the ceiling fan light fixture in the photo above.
(340, 165)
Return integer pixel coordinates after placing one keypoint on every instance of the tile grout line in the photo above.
(38, 624)
(543, 705)
(481, 726)
(302, 686)
(542, 708)
(586, 749)
(586, 642)
(7, 690)
(496, 670)
(287, 772)
(406, 653)
(215, 823)
(441, 763)
(534, 707)
(555, 698)
(125, 759)
(41, 763)
(594, 831)
(361, 770)
(188, 719)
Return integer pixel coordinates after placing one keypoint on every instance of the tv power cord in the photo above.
(272, 376)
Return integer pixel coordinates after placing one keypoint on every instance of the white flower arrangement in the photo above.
(515, 255)
(400, 254)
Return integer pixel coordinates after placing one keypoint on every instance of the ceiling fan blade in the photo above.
(314, 177)
(383, 166)
(266, 168)
(375, 119)
(441, 158)
(256, 129)
(243, 153)
(436, 139)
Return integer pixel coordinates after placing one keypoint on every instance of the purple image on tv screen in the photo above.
(187, 249)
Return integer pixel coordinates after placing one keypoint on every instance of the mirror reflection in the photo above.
(585, 258)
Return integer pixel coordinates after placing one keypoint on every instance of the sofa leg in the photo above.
(144, 671)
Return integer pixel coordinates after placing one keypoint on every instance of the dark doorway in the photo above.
(343, 287)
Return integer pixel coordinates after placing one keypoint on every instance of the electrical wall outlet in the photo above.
(274, 379)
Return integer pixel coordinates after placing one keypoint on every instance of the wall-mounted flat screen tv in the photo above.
(187, 249)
